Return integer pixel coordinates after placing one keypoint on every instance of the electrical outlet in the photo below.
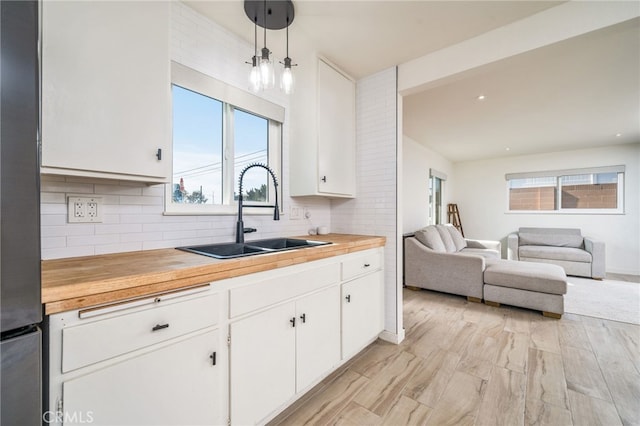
(295, 213)
(84, 209)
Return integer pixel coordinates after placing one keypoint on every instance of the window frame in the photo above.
(557, 175)
(232, 99)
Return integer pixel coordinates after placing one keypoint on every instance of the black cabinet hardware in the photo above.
(293, 321)
(348, 298)
(213, 358)
(303, 317)
(366, 265)
(159, 154)
(324, 179)
(159, 327)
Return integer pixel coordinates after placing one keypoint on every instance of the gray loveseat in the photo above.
(439, 258)
(566, 247)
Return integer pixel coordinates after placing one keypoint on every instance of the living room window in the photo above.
(593, 190)
(436, 188)
(218, 130)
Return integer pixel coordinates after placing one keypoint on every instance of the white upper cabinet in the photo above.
(106, 89)
(323, 146)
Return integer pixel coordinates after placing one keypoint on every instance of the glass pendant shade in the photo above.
(287, 81)
(255, 81)
(267, 73)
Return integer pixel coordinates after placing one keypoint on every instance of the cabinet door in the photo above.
(262, 362)
(318, 335)
(362, 312)
(336, 132)
(106, 88)
(174, 385)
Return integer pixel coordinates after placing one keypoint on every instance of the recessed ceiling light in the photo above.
(482, 97)
(507, 149)
(618, 135)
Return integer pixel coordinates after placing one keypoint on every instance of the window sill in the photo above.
(220, 211)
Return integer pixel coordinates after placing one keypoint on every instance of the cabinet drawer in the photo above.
(361, 264)
(273, 290)
(99, 340)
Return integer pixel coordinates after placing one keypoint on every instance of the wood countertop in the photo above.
(79, 282)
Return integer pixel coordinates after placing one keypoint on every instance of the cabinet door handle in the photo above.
(366, 265)
(303, 317)
(159, 154)
(159, 327)
(324, 179)
(293, 321)
(348, 298)
(213, 358)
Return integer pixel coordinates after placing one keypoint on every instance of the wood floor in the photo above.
(465, 363)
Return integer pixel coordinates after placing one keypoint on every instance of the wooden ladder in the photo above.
(453, 216)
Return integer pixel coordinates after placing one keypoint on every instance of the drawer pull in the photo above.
(348, 298)
(159, 327)
(213, 358)
(293, 321)
(303, 317)
(366, 265)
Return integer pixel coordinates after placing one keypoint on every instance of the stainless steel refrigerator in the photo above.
(20, 305)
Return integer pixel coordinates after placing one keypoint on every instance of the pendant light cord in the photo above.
(265, 23)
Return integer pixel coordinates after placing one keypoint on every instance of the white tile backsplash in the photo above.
(137, 222)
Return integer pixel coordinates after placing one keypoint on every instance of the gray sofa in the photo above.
(439, 258)
(565, 247)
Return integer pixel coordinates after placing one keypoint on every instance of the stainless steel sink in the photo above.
(251, 248)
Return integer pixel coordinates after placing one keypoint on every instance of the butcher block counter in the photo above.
(80, 282)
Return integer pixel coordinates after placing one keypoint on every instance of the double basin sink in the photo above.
(251, 248)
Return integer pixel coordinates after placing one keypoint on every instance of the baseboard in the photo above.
(395, 338)
(623, 272)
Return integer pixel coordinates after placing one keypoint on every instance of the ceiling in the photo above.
(574, 94)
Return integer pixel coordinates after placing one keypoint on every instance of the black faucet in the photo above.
(240, 229)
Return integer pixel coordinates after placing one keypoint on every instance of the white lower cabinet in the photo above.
(235, 352)
(173, 385)
(362, 312)
(148, 361)
(278, 352)
(317, 336)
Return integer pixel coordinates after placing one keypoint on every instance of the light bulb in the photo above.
(287, 81)
(267, 75)
(255, 82)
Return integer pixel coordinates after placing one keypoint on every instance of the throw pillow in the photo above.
(430, 237)
(446, 238)
(456, 236)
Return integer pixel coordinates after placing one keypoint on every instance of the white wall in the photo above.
(416, 162)
(373, 211)
(482, 198)
(133, 212)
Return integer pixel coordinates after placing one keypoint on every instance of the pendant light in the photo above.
(267, 75)
(287, 80)
(255, 82)
(272, 15)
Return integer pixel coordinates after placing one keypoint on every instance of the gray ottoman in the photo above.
(539, 286)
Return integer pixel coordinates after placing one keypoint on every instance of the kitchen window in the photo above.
(218, 130)
(593, 190)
